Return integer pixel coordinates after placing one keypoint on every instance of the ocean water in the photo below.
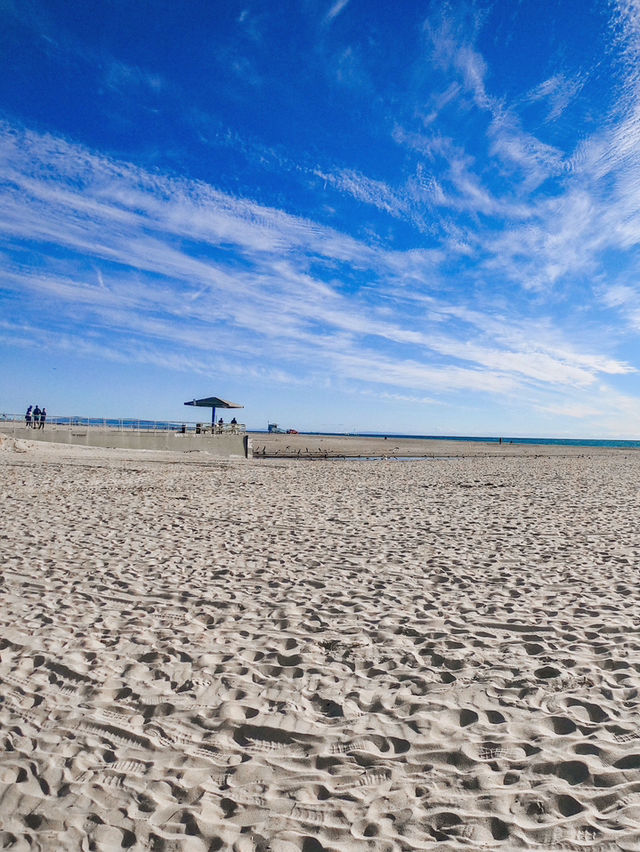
(124, 423)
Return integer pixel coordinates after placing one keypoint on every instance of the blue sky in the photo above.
(416, 217)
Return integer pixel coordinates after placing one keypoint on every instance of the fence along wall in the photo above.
(225, 445)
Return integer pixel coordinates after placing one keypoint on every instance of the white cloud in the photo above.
(122, 77)
(559, 91)
(619, 296)
(451, 51)
(335, 10)
(365, 189)
(536, 160)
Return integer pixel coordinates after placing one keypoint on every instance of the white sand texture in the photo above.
(296, 656)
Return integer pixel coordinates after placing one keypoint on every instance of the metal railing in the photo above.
(11, 422)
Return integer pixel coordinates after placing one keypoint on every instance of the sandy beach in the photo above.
(292, 655)
(283, 446)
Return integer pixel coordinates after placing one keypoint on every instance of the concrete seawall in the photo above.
(224, 446)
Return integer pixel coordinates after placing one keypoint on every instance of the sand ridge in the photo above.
(260, 655)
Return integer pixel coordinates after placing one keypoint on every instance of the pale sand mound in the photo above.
(319, 655)
(9, 444)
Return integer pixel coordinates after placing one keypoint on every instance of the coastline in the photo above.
(351, 446)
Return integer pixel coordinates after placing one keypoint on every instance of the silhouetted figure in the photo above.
(36, 417)
(43, 417)
(27, 417)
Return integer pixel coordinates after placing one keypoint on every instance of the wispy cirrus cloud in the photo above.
(377, 193)
(453, 51)
(535, 160)
(543, 218)
(558, 92)
(336, 8)
(151, 263)
(121, 76)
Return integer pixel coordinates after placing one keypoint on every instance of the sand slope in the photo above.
(319, 655)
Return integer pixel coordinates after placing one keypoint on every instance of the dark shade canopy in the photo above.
(213, 402)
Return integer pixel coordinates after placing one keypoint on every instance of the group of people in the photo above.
(232, 425)
(35, 417)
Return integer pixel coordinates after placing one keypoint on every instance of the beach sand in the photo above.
(284, 445)
(199, 654)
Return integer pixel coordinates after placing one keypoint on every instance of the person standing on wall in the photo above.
(27, 417)
(36, 418)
